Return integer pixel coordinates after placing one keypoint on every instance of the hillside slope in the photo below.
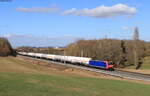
(23, 77)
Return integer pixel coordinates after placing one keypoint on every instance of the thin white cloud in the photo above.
(103, 11)
(15, 35)
(38, 9)
(127, 28)
(38, 41)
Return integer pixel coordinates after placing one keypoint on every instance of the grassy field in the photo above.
(22, 78)
(146, 63)
(145, 68)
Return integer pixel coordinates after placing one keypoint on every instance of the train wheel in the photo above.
(111, 69)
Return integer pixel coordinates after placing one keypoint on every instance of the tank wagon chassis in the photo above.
(82, 61)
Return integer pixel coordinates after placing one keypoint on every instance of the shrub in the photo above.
(5, 47)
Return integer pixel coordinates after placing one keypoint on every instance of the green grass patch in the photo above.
(146, 63)
(19, 84)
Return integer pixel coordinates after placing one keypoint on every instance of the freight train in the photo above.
(72, 59)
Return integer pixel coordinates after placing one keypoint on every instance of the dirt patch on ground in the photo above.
(32, 80)
(71, 88)
(76, 89)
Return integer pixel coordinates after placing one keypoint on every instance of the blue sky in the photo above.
(60, 22)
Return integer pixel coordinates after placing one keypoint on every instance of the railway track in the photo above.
(116, 73)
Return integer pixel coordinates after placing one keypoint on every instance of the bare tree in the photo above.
(5, 47)
(136, 48)
(136, 34)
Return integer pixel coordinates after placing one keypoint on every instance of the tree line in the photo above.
(46, 50)
(121, 52)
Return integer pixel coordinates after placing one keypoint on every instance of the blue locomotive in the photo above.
(102, 64)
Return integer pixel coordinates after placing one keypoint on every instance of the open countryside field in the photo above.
(145, 68)
(146, 63)
(22, 77)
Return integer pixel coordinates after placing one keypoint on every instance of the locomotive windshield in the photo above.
(111, 63)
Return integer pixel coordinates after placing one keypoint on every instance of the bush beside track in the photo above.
(5, 47)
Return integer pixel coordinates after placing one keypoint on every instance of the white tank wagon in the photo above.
(44, 55)
(31, 54)
(49, 56)
(39, 55)
(71, 59)
(83, 60)
(66, 58)
(22, 53)
(57, 57)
